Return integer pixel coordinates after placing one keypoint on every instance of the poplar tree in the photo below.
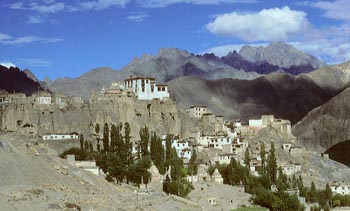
(144, 135)
(106, 138)
(272, 164)
(192, 166)
(114, 137)
(263, 158)
(81, 142)
(168, 150)
(247, 160)
(128, 144)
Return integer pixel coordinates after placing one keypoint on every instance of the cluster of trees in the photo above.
(175, 182)
(116, 160)
(260, 186)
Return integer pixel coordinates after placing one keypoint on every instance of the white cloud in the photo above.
(48, 8)
(4, 37)
(338, 9)
(35, 19)
(138, 17)
(34, 62)
(103, 4)
(276, 24)
(9, 40)
(16, 6)
(165, 3)
(223, 50)
(7, 64)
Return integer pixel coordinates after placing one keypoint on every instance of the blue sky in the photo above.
(58, 38)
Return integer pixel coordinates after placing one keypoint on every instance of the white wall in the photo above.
(255, 123)
(60, 136)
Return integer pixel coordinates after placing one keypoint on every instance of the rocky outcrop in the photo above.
(326, 125)
(160, 116)
(29, 118)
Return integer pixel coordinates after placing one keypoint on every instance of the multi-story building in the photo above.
(146, 88)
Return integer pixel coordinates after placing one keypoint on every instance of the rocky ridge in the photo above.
(325, 125)
(284, 95)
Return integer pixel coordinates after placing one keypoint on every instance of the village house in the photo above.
(60, 101)
(342, 188)
(290, 168)
(182, 147)
(198, 111)
(86, 165)
(58, 136)
(256, 124)
(146, 88)
(214, 141)
(223, 158)
(43, 99)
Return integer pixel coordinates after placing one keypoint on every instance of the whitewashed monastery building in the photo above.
(146, 88)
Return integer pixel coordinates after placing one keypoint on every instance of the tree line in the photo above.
(115, 157)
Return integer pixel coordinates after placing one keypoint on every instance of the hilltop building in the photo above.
(198, 111)
(146, 88)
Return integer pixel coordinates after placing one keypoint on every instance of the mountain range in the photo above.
(236, 85)
(172, 63)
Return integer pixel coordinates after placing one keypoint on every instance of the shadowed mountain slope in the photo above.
(281, 94)
(14, 80)
(326, 125)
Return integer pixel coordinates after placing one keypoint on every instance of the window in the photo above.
(163, 89)
(158, 89)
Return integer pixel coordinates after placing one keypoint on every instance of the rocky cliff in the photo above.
(29, 118)
(326, 125)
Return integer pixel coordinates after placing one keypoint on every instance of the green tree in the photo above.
(247, 160)
(91, 148)
(128, 144)
(97, 129)
(98, 146)
(81, 139)
(168, 150)
(263, 158)
(157, 153)
(192, 166)
(282, 181)
(144, 135)
(86, 148)
(114, 137)
(106, 138)
(272, 164)
(312, 194)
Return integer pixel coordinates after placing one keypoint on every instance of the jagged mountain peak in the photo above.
(30, 75)
(279, 54)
